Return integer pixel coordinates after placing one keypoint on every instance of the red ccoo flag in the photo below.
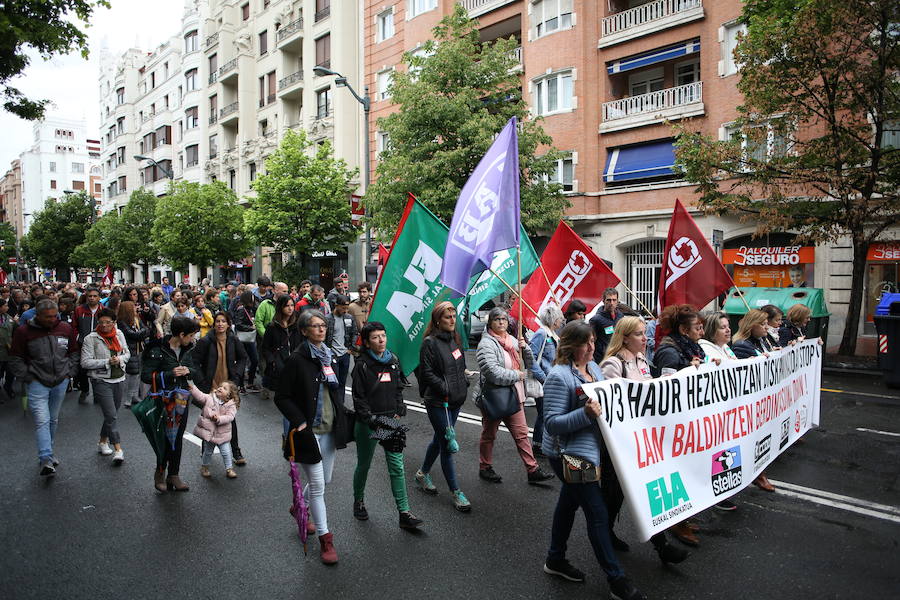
(107, 276)
(2, 276)
(692, 272)
(574, 270)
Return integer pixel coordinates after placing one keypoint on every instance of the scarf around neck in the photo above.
(508, 343)
(384, 358)
(689, 348)
(111, 339)
(324, 356)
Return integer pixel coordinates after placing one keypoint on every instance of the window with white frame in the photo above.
(890, 135)
(77, 167)
(687, 72)
(190, 80)
(421, 52)
(382, 142)
(564, 174)
(551, 15)
(52, 167)
(384, 25)
(384, 84)
(417, 7)
(764, 142)
(323, 103)
(191, 42)
(645, 82)
(729, 40)
(553, 94)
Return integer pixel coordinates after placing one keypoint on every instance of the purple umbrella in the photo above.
(299, 509)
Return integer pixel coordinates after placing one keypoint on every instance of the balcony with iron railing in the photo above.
(673, 103)
(213, 118)
(477, 8)
(647, 18)
(290, 35)
(229, 113)
(213, 77)
(270, 99)
(322, 14)
(291, 85)
(228, 70)
(211, 40)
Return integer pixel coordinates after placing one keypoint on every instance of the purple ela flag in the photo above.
(486, 218)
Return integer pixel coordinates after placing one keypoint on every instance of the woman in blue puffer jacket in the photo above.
(570, 427)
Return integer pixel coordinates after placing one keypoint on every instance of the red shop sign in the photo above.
(883, 251)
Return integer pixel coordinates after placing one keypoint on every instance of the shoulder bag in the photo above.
(533, 387)
(497, 402)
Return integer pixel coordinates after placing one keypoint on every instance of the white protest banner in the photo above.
(687, 441)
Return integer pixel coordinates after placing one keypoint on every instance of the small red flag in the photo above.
(2, 276)
(574, 271)
(692, 272)
(107, 276)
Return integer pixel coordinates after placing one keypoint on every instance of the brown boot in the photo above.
(763, 483)
(174, 482)
(159, 479)
(329, 555)
(683, 534)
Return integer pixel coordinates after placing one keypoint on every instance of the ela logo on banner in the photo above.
(726, 470)
(663, 497)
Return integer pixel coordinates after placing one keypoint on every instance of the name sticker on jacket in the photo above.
(328, 371)
(385, 377)
(645, 371)
(63, 342)
(609, 330)
(456, 354)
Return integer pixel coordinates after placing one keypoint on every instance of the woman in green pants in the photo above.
(378, 392)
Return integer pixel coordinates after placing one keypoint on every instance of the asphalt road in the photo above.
(98, 532)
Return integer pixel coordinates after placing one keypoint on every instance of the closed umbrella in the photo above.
(299, 509)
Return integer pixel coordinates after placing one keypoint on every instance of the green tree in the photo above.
(303, 200)
(104, 244)
(454, 98)
(47, 26)
(57, 229)
(138, 215)
(820, 86)
(8, 248)
(200, 224)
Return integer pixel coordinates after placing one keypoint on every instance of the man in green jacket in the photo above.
(265, 312)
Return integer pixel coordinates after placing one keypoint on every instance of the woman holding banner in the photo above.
(793, 329)
(625, 358)
(716, 337)
(543, 346)
(499, 361)
(571, 431)
(443, 387)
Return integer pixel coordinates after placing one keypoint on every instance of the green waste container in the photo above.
(783, 298)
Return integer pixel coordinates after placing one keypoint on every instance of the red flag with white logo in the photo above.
(2, 276)
(574, 271)
(692, 272)
(107, 276)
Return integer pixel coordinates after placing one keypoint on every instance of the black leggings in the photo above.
(172, 459)
(235, 446)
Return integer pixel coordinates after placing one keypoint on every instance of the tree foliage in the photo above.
(104, 244)
(200, 224)
(454, 98)
(303, 200)
(57, 229)
(820, 86)
(46, 26)
(8, 248)
(138, 215)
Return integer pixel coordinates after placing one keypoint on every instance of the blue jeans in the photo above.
(438, 417)
(44, 403)
(224, 450)
(253, 358)
(537, 435)
(588, 497)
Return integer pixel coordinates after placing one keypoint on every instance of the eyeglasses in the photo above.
(316, 326)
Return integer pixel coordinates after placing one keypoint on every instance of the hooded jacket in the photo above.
(218, 431)
(48, 356)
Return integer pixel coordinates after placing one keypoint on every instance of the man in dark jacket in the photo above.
(85, 322)
(44, 354)
(604, 323)
(341, 337)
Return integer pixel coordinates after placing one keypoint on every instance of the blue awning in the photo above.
(654, 56)
(644, 161)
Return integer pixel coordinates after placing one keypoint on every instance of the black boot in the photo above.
(669, 554)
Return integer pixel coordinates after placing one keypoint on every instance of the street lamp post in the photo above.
(165, 171)
(366, 103)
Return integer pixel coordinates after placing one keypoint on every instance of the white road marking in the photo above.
(891, 433)
(873, 507)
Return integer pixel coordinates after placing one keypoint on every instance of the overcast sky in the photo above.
(70, 82)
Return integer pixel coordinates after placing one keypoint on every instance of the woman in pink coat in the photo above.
(214, 424)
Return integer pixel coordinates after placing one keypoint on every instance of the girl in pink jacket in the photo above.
(214, 424)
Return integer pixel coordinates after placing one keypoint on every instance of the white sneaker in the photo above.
(104, 449)
(118, 457)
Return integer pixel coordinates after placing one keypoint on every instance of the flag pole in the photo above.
(519, 294)
(741, 294)
(549, 286)
(635, 296)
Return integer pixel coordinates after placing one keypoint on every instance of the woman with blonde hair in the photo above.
(443, 387)
(752, 338)
(625, 358)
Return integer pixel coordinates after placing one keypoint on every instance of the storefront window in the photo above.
(883, 274)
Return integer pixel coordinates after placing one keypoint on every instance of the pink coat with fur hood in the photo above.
(217, 432)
